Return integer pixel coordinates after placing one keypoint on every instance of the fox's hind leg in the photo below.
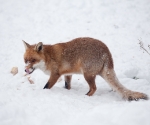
(68, 81)
(91, 81)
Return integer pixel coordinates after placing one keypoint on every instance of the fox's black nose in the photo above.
(25, 70)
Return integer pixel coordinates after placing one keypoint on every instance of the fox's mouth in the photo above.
(30, 70)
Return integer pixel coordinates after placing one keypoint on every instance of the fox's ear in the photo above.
(39, 47)
(26, 45)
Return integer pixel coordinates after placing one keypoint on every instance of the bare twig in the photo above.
(142, 46)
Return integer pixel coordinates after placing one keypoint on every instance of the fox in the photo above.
(84, 55)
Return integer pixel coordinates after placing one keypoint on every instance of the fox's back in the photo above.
(93, 54)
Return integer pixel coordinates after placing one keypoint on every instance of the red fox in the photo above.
(86, 56)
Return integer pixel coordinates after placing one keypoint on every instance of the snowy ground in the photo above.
(117, 23)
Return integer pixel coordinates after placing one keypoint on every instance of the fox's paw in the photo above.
(67, 86)
(46, 86)
(130, 95)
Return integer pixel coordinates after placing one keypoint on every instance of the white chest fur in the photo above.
(41, 65)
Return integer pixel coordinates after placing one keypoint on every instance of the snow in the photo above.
(119, 24)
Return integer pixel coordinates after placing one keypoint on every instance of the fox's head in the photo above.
(33, 56)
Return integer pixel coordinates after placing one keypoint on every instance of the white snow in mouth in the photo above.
(119, 24)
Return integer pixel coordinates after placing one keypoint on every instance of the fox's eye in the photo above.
(25, 60)
(33, 60)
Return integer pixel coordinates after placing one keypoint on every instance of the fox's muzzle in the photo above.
(29, 71)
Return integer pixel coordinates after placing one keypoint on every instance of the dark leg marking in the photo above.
(66, 85)
(46, 86)
(87, 93)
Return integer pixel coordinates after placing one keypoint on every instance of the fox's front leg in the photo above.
(52, 80)
(68, 81)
